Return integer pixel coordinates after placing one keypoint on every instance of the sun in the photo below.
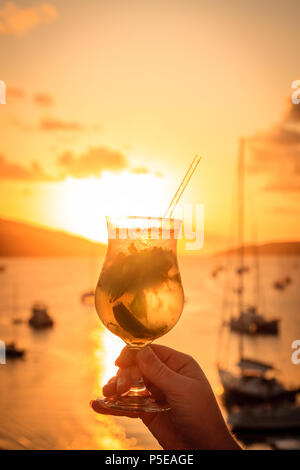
(83, 203)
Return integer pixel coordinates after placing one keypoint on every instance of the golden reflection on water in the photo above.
(107, 349)
(114, 436)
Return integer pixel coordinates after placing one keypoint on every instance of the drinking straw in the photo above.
(182, 186)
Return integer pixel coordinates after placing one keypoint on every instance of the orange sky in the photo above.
(112, 99)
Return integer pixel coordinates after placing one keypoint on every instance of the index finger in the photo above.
(175, 360)
(126, 358)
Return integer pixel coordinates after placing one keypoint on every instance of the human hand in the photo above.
(194, 421)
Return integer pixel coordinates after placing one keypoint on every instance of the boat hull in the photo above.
(239, 390)
(254, 328)
(280, 418)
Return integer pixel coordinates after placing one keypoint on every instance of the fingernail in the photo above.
(145, 355)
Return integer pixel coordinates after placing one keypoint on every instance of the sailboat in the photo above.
(249, 321)
(13, 352)
(255, 383)
(282, 284)
(40, 318)
(255, 380)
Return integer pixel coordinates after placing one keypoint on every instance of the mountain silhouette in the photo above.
(21, 239)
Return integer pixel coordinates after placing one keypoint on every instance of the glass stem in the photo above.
(138, 387)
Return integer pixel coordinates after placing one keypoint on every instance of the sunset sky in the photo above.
(108, 101)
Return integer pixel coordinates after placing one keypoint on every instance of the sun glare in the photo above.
(107, 350)
(83, 203)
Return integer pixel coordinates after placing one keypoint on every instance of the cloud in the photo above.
(15, 92)
(92, 162)
(15, 171)
(40, 98)
(50, 124)
(43, 99)
(276, 152)
(16, 20)
(46, 123)
(53, 124)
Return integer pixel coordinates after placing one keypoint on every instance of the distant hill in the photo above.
(20, 239)
(275, 248)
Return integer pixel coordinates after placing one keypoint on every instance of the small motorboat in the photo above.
(12, 352)
(40, 317)
(88, 297)
(217, 269)
(281, 284)
(250, 322)
(242, 270)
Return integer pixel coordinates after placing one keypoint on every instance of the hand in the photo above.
(194, 421)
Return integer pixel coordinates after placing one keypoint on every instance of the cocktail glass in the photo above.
(139, 295)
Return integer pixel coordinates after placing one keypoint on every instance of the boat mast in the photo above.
(241, 218)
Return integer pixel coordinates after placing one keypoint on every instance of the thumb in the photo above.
(157, 372)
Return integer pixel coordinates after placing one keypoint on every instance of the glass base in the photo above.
(137, 404)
